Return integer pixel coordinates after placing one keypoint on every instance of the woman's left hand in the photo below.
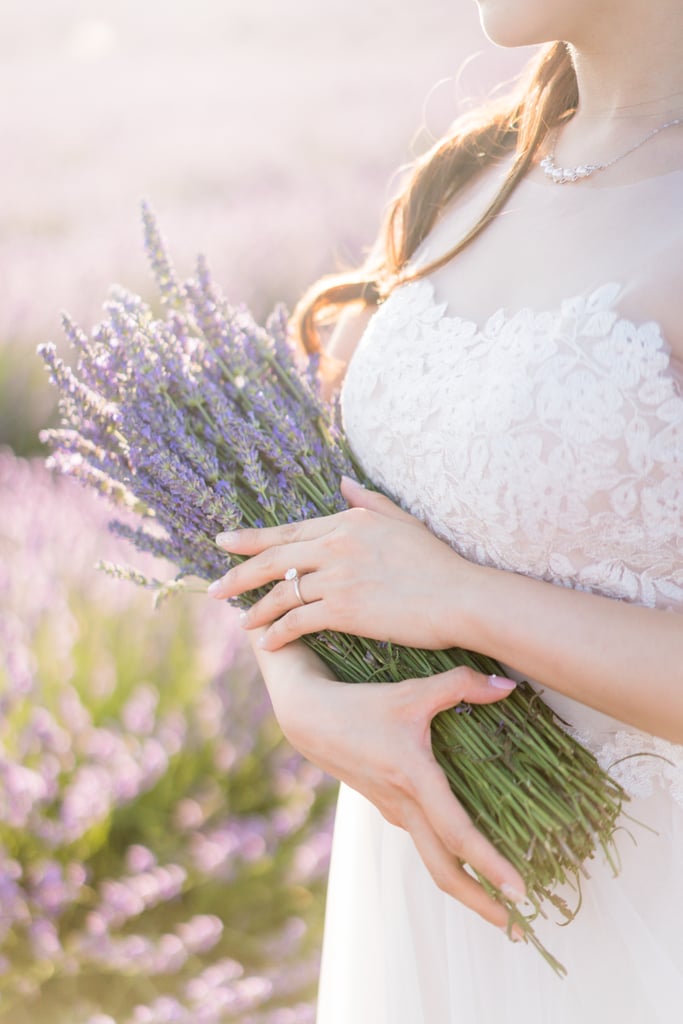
(373, 570)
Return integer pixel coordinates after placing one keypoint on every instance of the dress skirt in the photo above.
(397, 950)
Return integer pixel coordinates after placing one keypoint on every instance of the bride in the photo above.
(512, 363)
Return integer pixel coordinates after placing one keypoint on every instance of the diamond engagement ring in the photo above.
(293, 576)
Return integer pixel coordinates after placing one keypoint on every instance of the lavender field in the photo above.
(162, 851)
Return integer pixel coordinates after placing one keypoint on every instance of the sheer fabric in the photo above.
(545, 438)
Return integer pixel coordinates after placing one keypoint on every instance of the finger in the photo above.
(358, 496)
(454, 827)
(280, 600)
(300, 621)
(447, 689)
(266, 567)
(448, 874)
(290, 667)
(252, 541)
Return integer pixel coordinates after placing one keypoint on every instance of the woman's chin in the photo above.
(526, 23)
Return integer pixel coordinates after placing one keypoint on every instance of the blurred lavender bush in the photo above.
(162, 850)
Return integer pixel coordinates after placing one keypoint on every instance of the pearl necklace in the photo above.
(563, 175)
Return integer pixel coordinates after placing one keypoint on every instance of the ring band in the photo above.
(292, 576)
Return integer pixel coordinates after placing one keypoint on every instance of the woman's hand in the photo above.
(376, 739)
(372, 571)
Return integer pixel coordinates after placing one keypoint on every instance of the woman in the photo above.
(514, 380)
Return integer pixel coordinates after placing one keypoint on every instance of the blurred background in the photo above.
(155, 831)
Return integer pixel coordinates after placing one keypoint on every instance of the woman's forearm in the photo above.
(621, 659)
(360, 577)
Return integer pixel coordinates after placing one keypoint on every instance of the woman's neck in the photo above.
(631, 70)
(630, 80)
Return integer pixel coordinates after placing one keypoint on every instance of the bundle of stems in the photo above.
(202, 421)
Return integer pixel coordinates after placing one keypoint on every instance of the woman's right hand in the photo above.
(376, 739)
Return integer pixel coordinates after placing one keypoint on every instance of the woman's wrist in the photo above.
(468, 605)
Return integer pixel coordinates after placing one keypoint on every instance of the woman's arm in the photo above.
(341, 345)
(619, 658)
(376, 739)
(376, 571)
(347, 333)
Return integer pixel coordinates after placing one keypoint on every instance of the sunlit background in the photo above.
(162, 852)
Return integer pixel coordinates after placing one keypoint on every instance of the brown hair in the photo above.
(546, 96)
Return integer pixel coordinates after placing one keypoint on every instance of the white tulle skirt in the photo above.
(398, 951)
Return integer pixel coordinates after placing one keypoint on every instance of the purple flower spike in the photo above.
(161, 265)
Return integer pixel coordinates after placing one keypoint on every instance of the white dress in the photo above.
(546, 440)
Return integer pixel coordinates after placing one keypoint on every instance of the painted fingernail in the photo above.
(214, 589)
(354, 483)
(501, 683)
(515, 933)
(512, 893)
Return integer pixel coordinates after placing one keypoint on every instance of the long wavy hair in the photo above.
(547, 96)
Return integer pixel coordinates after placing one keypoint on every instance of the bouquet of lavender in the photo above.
(204, 421)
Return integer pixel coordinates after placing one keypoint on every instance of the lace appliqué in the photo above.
(546, 443)
(638, 762)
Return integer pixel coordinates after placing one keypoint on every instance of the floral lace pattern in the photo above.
(638, 762)
(545, 443)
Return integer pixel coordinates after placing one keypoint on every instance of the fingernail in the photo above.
(501, 683)
(354, 483)
(227, 538)
(214, 588)
(515, 933)
(243, 618)
(512, 893)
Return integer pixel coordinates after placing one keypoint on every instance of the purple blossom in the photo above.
(162, 1011)
(209, 420)
(200, 933)
(139, 858)
(44, 939)
(52, 889)
(156, 251)
(21, 788)
(139, 712)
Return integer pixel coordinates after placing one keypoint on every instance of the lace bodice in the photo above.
(548, 443)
